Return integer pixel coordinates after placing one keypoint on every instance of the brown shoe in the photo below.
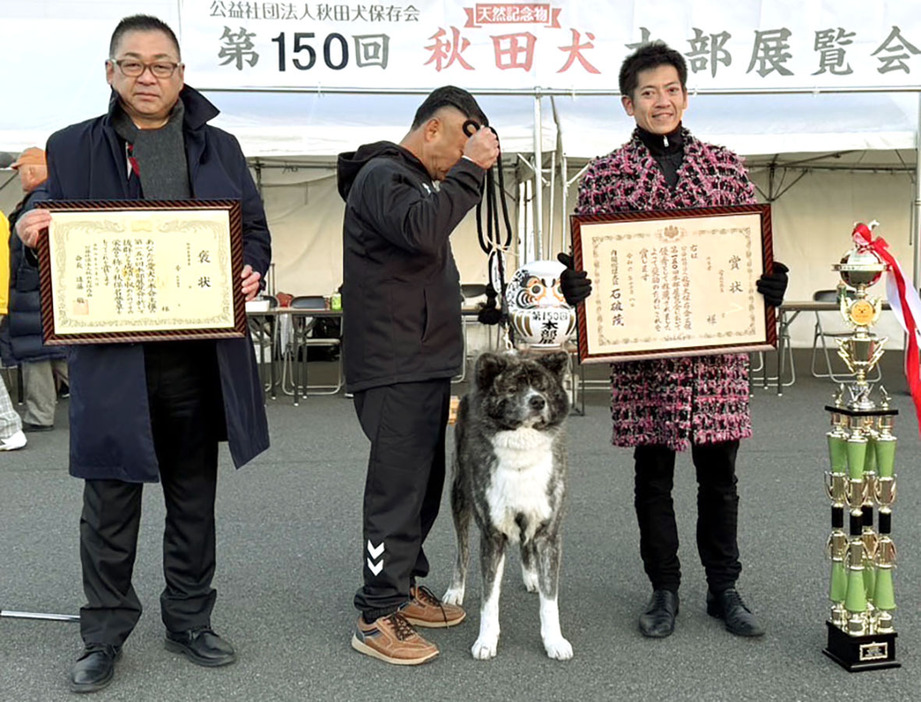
(392, 639)
(427, 611)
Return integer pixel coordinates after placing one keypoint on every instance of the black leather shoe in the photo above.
(202, 646)
(31, 428)
(94, 668)
(658, 620)
(729, 607)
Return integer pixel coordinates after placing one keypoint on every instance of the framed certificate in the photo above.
(674, 283)
(141, 270)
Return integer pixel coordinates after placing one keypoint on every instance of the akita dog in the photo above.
(509, 473)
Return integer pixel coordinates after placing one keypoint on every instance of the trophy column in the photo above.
(861, 483)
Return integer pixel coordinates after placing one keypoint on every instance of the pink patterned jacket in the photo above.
(674, 402)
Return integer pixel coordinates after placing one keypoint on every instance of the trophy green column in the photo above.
(836, 489)
(855, 601)
(868, 532)
(885, 493)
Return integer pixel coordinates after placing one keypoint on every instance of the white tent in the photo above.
(824, 155)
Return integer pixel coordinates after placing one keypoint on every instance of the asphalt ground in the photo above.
(289, 559)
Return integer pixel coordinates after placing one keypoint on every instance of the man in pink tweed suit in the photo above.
(660, 407)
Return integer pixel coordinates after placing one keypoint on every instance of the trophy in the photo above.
(861, 482)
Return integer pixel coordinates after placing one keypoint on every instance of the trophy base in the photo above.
(857, 653)
(868, 412)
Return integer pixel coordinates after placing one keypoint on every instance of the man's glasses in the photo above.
(132, 68)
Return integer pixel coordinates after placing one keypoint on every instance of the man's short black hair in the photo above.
(141, 23)
(449, 96)
(649, 56)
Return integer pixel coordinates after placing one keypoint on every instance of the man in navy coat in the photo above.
(154, 411)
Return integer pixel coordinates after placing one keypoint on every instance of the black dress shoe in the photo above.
(94, 668)
(202, 646)
(729, 607)
(29, 427)
(658, 620)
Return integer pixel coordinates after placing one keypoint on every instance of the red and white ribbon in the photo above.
(905, 304)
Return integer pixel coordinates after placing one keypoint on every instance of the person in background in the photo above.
(402, 293)
(154, 411)
(11, 435)
(660, 407)
(21, 336)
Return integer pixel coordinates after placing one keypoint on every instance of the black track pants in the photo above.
(406, 424)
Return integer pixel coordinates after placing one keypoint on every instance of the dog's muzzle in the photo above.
(537, 410)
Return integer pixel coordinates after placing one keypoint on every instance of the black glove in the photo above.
(574, 284)
(774, 284)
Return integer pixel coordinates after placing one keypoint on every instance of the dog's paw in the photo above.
(454, 596)
(485, 648)
(530, 579)
(559, 649)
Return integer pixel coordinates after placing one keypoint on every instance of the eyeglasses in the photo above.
(132, 68)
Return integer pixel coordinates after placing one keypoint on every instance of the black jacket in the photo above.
(401, 292)
(21, 338)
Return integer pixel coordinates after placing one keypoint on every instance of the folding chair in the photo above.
(262, 332)
(13, 379)
(303, 326)
(469, 292)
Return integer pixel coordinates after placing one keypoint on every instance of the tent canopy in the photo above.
(734, 107)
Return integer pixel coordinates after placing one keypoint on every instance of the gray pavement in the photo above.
(289, 556)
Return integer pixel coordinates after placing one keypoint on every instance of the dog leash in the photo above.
(493, 244)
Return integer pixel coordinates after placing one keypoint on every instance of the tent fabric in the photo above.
(320, 123)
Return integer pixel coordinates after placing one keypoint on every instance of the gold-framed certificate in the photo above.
(674, 283)
(141, 270)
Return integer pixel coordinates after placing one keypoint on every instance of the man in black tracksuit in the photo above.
(403, 343)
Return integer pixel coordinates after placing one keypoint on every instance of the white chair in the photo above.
(469, 293)
(262, 332)
(13, 379)
(757, 364)
(298, 362)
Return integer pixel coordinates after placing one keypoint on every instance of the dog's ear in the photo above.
(556, 362)
(488, 366)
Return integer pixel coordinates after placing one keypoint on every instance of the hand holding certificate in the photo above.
(674, 283)
(141, 271)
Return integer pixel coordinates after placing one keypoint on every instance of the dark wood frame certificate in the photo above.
(674, 283)
(142, 270)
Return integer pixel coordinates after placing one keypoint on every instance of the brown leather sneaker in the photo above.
(427, 611)
(392, 639)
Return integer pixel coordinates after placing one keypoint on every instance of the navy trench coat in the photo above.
(110, 430)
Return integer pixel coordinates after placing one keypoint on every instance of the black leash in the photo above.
(493, 244)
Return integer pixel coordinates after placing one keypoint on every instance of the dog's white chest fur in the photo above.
(524, 465)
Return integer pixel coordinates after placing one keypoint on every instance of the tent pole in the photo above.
(916, 210)
(550, 209)
(562, 154)
(915, 224)
(522, 238)
(564, 214)
(536, 246)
